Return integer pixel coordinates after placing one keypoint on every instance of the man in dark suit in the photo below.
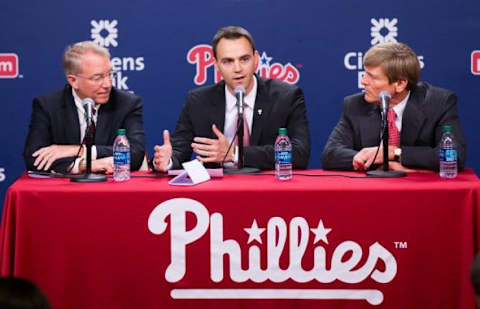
(206, 125)
(58, 124)
(420, 109)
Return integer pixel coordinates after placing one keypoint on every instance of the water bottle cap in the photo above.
(282, 131)
(447, 128)
(121, 131)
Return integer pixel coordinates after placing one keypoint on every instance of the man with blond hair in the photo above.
(418, 113)
(58, 124)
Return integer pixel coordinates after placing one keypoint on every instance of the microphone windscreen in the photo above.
(239, 89)
(385, 94)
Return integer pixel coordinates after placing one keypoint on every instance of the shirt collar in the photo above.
(400, 107)
(249, 99)
(78, 102)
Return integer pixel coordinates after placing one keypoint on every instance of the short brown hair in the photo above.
(398, 61)
(231, 33)
(71, 61)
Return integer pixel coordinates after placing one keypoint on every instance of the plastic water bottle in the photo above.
(121, 157)
(448, 154)
(283, 156)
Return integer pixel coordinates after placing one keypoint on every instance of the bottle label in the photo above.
(448, 155)
(121, 158)
(283, 157)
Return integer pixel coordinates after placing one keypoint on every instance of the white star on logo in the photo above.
(265, 60)
(320, 233)
(254, 232)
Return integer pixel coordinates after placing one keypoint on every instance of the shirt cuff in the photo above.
(170, 164)
(235, 155)
(76, 163)
(94, 152)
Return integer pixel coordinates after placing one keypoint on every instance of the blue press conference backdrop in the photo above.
(161, 51)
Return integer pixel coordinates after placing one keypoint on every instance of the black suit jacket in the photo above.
(428, 109)
(281, 105)
(55, 121)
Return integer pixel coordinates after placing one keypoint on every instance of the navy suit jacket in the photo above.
(55, 121)
(277, 105)
(428, 109)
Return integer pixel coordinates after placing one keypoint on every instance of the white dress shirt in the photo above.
(399, 108)
(231, 113)
(83, 126)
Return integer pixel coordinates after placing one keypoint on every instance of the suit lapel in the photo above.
(72, 125)
(217, 109)
(413, 118)
(104, 120)
(260, 109)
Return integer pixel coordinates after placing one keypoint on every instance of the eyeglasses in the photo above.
(99, 78)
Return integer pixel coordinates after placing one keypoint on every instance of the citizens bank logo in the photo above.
(105, 33)
(8, 65)
(2, 174)
(475, 66)
(201, 56)
(346, 263)
(101, 27)
(383, 25)
(382, 30)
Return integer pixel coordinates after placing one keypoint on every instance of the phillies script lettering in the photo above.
(202, 57)
(344, 261)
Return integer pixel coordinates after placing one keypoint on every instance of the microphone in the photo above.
(88, 176)
(88, 106)
(240, 94)
(384, 97)
(241, 169)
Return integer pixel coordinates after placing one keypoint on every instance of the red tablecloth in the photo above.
(245, 241)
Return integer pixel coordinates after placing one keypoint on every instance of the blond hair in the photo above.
(72, 57)
(397, 60)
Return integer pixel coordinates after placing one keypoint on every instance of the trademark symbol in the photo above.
(400, 244)
(20, 76)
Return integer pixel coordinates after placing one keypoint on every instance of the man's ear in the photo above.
(400, 85)
(72, 80)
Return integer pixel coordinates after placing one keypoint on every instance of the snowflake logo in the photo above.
(390, 27)
(98, 28)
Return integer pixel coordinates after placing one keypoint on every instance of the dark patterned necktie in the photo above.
(92, 130)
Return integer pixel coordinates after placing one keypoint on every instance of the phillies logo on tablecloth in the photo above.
(105, 33)
(475, 66)
(382, 30)
(344, 264)
(8, 65)
(201, 56)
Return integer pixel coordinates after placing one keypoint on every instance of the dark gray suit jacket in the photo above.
(428, 109)
(281, 105)
(55, 121)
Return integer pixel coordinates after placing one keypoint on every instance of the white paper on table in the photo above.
(194, 173)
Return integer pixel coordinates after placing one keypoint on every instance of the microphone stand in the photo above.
(384, 172)
(240, 169)
(89, 176)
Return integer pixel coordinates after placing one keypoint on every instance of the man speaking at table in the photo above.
(207, 122)
(58, 124)
(418, 112)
